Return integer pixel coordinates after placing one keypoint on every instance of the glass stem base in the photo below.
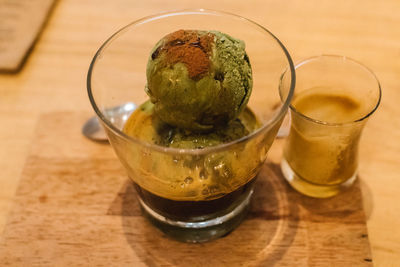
(311, 189)
(202, 230)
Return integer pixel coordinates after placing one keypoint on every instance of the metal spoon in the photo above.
(118, 115)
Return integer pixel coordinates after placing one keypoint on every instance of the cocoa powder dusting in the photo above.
(191, 49)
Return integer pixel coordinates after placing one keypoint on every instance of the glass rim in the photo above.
(108, 124)
(345, 58)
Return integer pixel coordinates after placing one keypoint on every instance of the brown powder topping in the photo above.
(189, 48)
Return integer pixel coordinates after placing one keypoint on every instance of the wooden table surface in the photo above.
(54, 79)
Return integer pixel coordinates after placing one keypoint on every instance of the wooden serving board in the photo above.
(76, 207)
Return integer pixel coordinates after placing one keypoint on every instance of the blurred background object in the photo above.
(21, 22)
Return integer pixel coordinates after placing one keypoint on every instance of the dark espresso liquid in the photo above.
(194, 210)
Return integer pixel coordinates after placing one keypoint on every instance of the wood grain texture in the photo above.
(75, 206)
(21, 23)
(54, 79)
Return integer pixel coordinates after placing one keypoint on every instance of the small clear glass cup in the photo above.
(334, 97)
(193, 195)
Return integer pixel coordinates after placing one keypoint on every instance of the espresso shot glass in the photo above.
(334, 97)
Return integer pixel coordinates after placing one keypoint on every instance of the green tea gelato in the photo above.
(198, 80)
(199, 83)
(145, 125)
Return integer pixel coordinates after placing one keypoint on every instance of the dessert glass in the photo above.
(321, 152)
(193, 195)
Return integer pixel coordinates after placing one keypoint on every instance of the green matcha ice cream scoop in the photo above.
(145, 125)
(198, 80)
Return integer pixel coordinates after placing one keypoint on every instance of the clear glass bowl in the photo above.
(193, 195)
